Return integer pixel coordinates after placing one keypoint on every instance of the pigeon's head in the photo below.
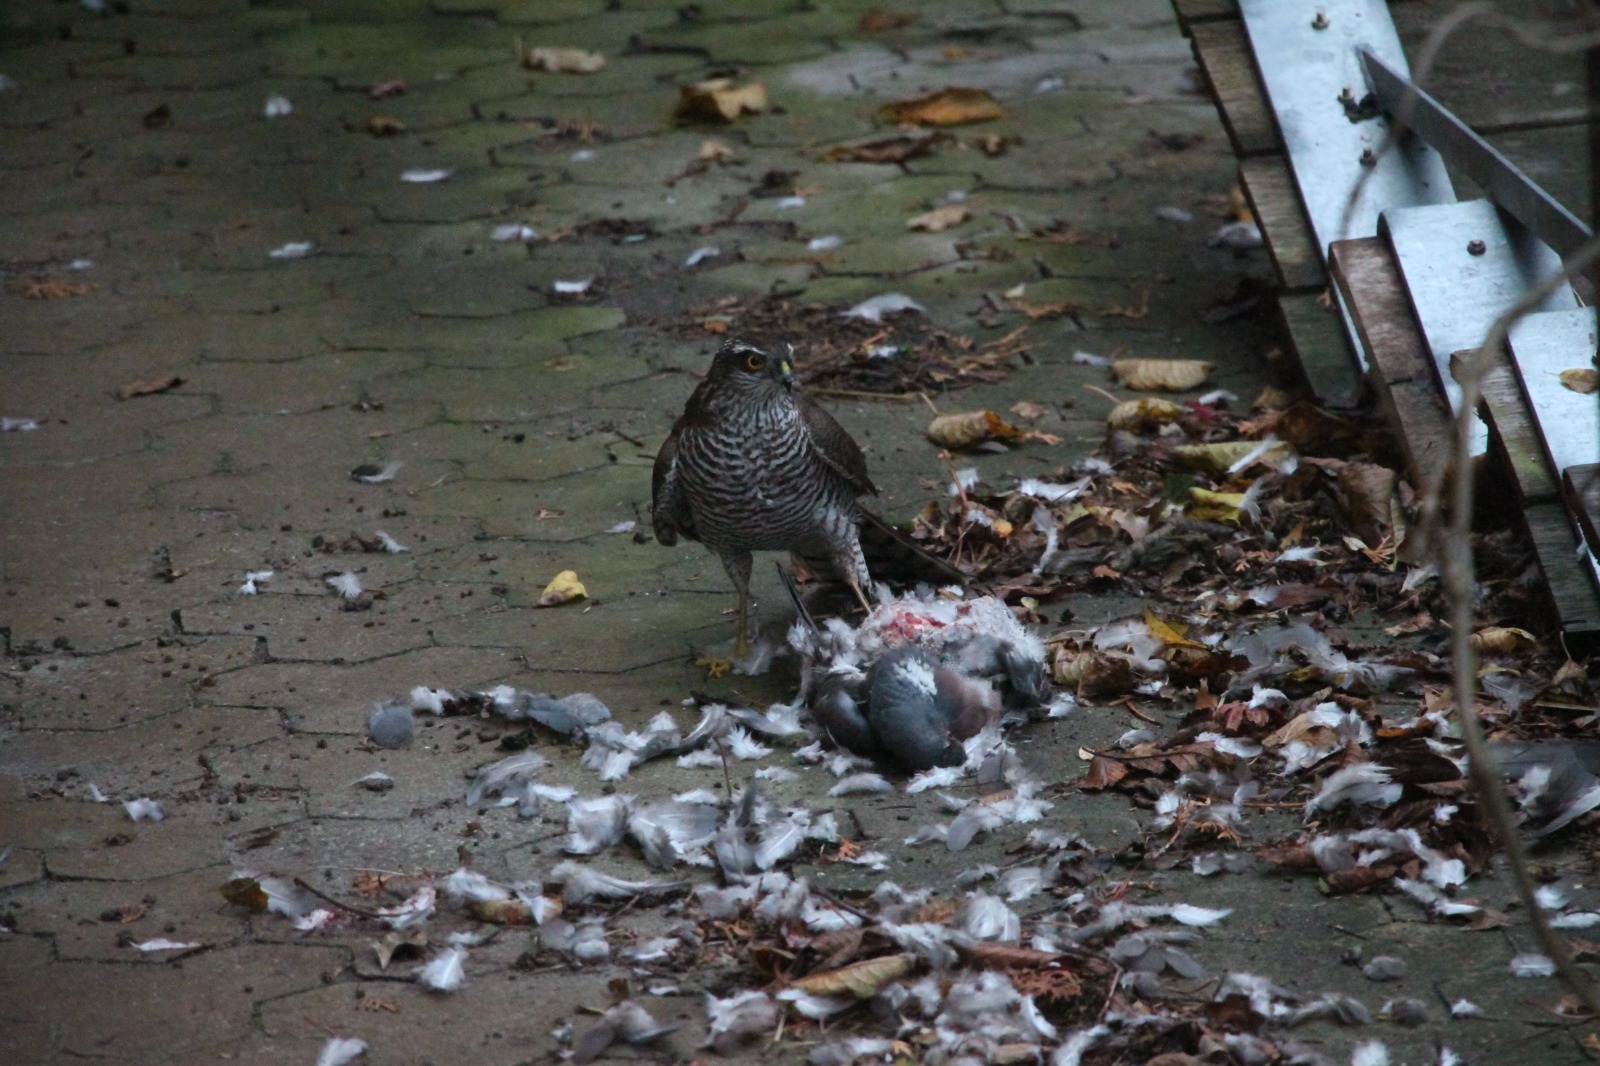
(744, 367)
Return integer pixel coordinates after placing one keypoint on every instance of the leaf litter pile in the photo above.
(883, 346)
(1269, 540)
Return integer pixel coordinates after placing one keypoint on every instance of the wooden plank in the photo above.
(1284, 226)
(1329, 367)
(1570, 579)
(1400, 366)
(1513, 436)
(1189, 11)
(1582, 484)
(1223, 52)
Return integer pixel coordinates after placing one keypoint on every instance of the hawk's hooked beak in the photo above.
(786, 373)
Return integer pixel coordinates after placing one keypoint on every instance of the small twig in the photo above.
(301, 882)
(858, 394)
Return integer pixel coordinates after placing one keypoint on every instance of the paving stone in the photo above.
(207, 994)
(339, 700)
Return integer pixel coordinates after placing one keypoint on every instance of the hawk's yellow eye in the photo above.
(755, 362)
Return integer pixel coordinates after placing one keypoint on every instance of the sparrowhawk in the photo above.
(755, 465)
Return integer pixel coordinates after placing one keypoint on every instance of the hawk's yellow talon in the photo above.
(715, 667)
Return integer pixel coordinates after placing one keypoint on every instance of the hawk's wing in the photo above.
(669, 508)
(835, 445)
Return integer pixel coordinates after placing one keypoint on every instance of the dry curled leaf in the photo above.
(385, 126)
(1584, 380)
(382, 90)
(1028, 411)
(863, 979)
(720, 100)
(897, 149)
(148, 386)
(1139, 415)
(563, 588)
(1161, 375)
(1038, 311)
(1367, 491)
(563, 60)
(940, 218)
(947, 107)
(970, 427)
(1504, 640)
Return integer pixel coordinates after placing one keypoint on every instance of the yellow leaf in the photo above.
(863, 979)
(1217, 457)
(1002, 528)
(940, 218)
(947, 107)
(1161, 375)
(721, 100)
(563, 60)
(1583, 380)
(1137, 415)
(1208, 506)
(1171, 633)
(968, 428)
(563, 588)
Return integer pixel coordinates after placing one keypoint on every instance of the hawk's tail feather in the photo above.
(893, 556)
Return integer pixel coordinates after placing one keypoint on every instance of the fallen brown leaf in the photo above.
(54, 289)
(1038, 311)
(720, 100)
(382, 90)
(861, 979)
(968, 428)
(148, 386)
(940, 218)
(1161, 375)
(897, 149)
(1028, 411)
(878, 21)
(1139, 415)
(947, 107)
(1584, 380)
(245, 892)
(1504, 640)
(385, 126)
(1366, 490)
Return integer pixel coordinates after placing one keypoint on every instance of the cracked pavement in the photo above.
(526, 422)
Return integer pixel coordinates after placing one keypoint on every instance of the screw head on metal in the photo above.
(1476, 247)
(1321, 21)
(1368, 159)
